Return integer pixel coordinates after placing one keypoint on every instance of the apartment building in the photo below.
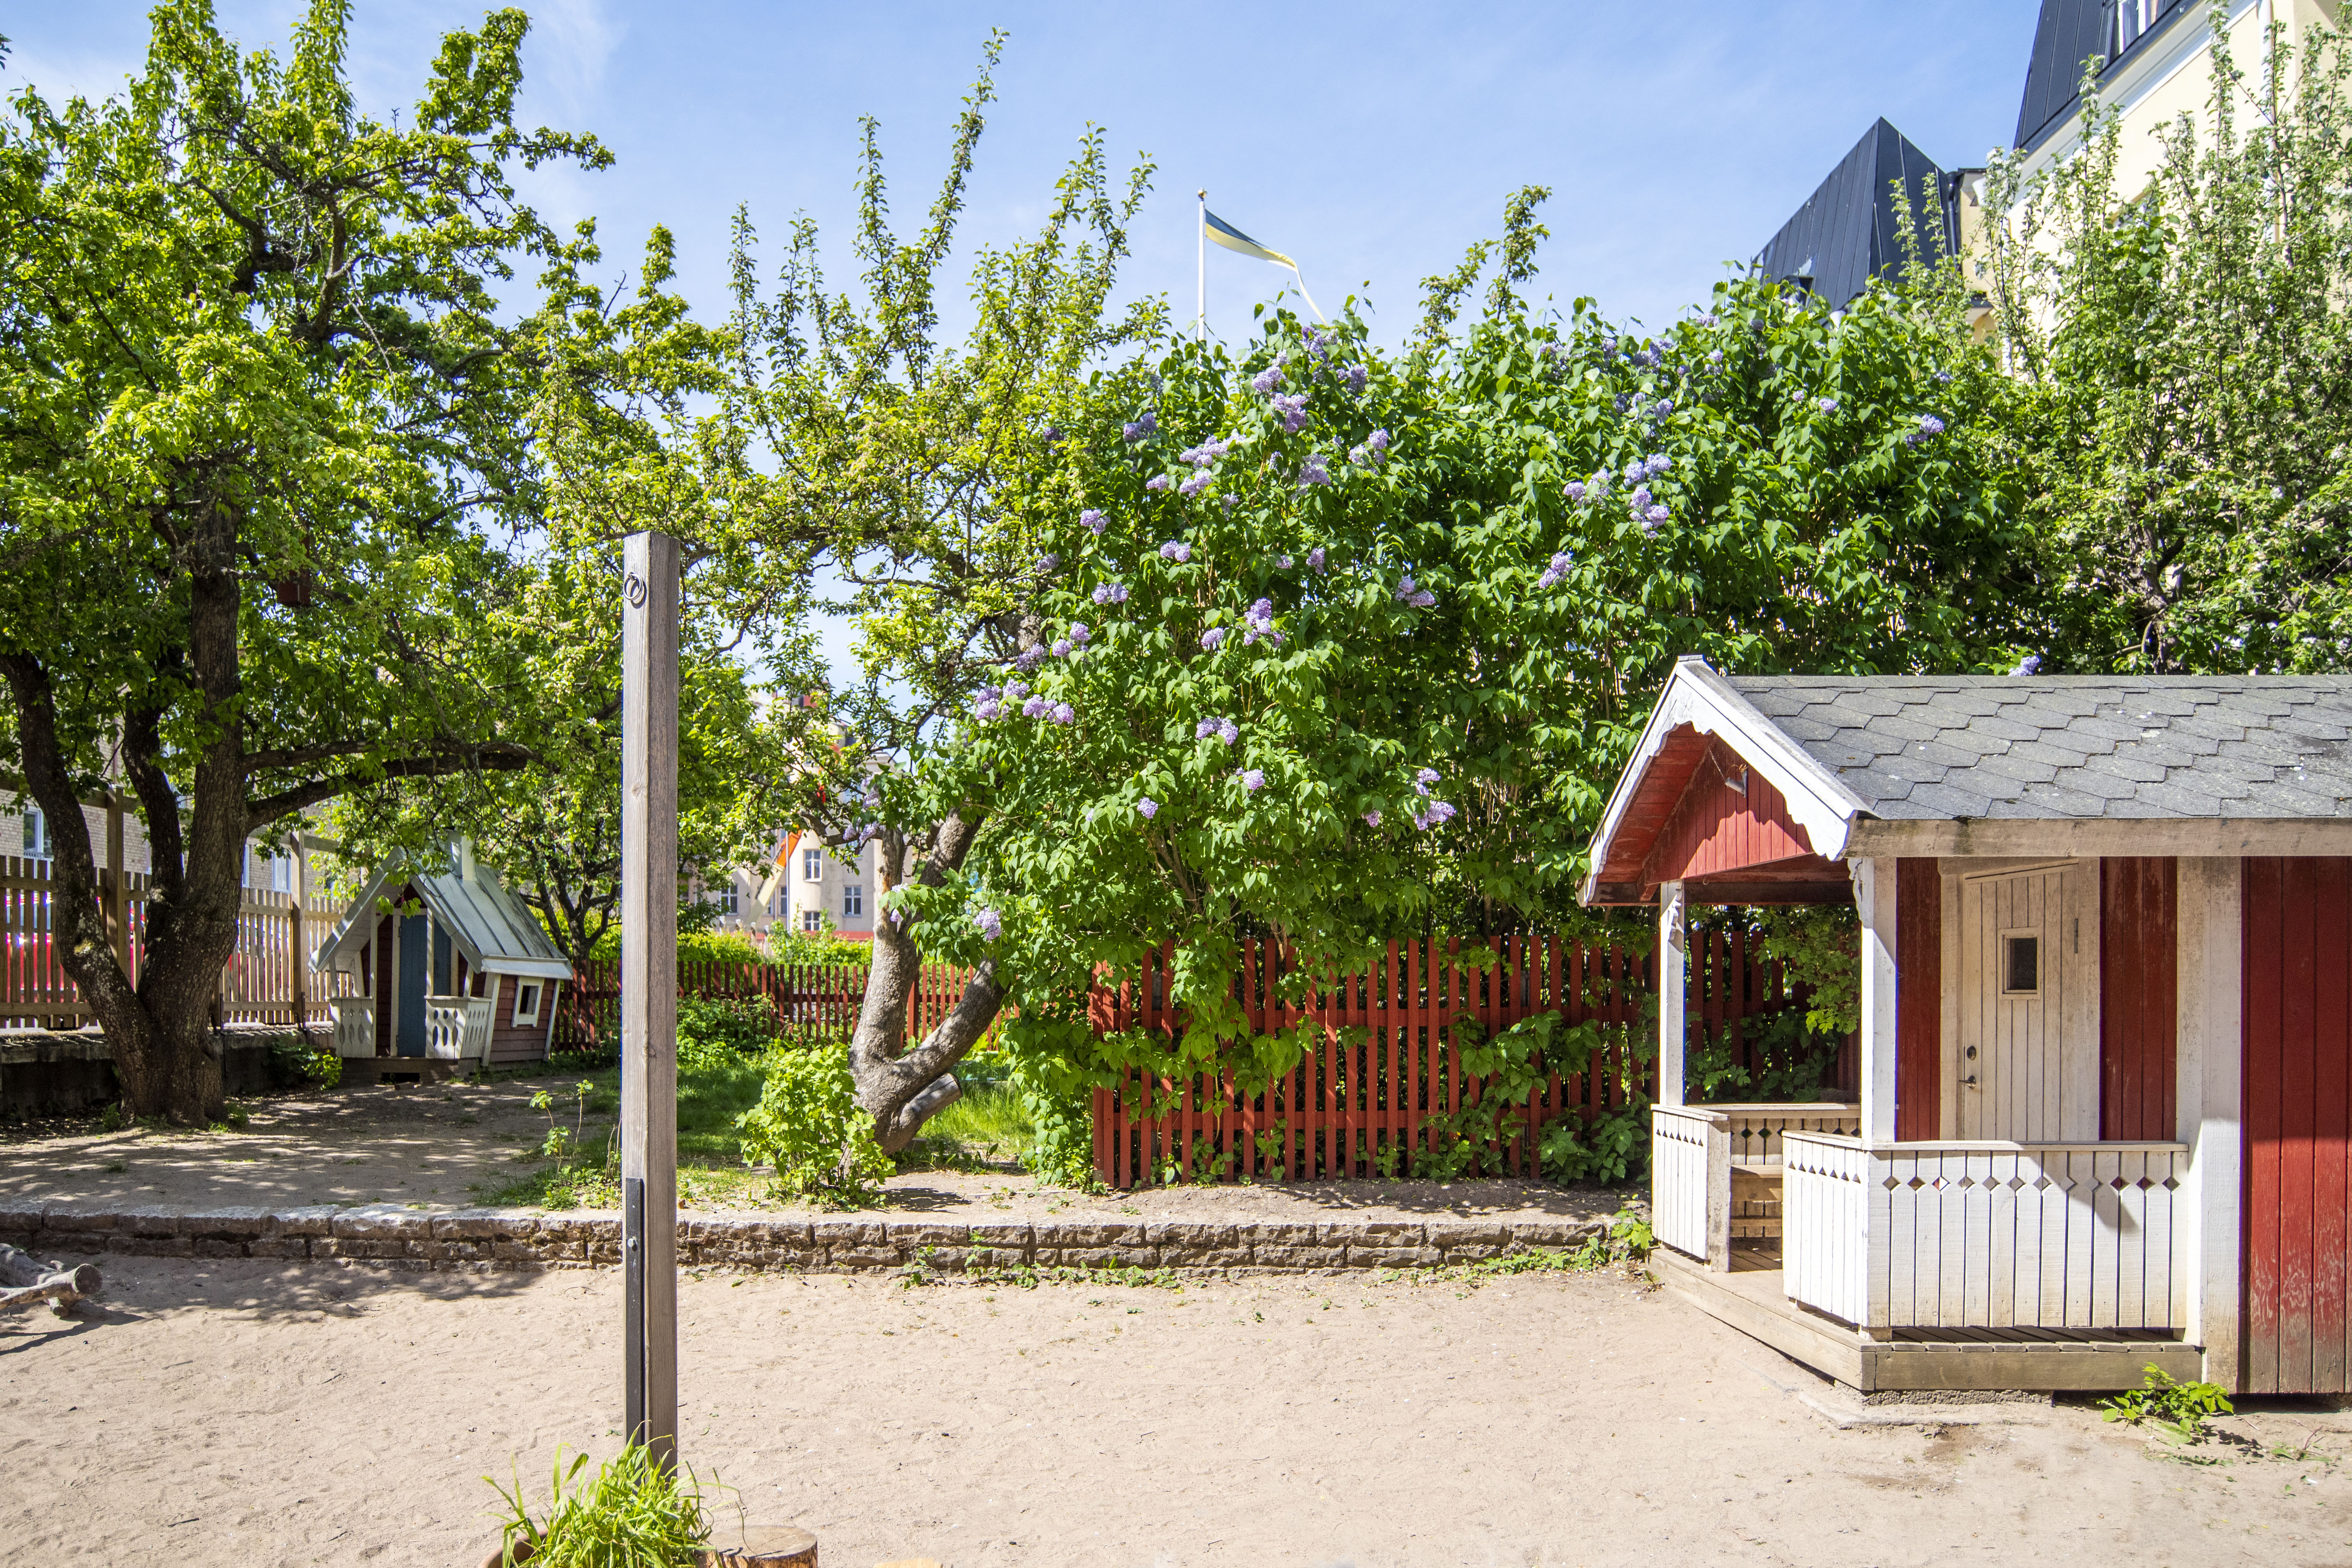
(821, 889)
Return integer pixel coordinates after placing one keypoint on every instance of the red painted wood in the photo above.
(1714, 827)
(2138, 997)
(1918, 999)
(2297, 1090)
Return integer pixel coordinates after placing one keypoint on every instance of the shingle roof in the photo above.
(1937, 748)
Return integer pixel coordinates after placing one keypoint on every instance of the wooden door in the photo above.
(2296, 1018)
(414, 945)
(2021, 971)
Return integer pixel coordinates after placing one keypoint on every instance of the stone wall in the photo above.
(515, 1239)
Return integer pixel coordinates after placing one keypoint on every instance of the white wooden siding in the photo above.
(1986, 1234)
(2034, 1077)
(1678, 1177)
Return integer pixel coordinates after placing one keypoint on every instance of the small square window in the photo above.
(2021, 965)
(812, 865)
(853, 899)
(811, 920)
(525, 1009)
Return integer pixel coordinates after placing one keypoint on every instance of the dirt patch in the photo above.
(442, 1146)
(240, 1413)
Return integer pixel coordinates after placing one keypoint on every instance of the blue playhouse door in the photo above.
(413, 955)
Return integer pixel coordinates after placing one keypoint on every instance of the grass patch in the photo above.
(987, 1129)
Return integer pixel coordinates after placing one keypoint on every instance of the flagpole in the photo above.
(1200, 239)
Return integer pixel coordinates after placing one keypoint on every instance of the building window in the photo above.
(37, 843)
(2021, 969)
(724, 898)
(853, 901)
(811, 920)
(812, 865)
(527, 1002)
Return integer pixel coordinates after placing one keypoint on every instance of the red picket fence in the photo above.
(1360, 1102)
(806, 998)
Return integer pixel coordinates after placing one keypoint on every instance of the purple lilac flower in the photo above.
(1091, 521)
(1422, 600)
(1656, 515)
(1052, 433)
(1438, 812)
(1207, 452)
(1212, 639)
(990, 924)
(1313, 471)
(1707, 320)
(1829, 405)
(1609, 345)
(1714, 357)
(1265, 381)
(1554, 573)
(1158, 482)
(1194, 485)
(1666, 405)
(1360, 455)
(1228, 732)
(1373, 817)
(986, 694)
(1623, 402)
(1252, 778)
(989, 709)
(2030, 665)
(1378, 440)
(1048, 560)
(1641, 497)
(1063, 713)
(1314, 559)
(1602, 480)
(1942, 378)
(1229, 500)
(1258, 622)
(1149, 807)
(1658, 463)
(1176, 549)
(1143, 429)
(1422, 778)
(1110, 593)
(1291, 410)
(1356, 374)
(1061, 648)
(1634, 472)
(1282, 562)
(1930, 426)
(1014, 688)
(1576, 489)
(1029, 658)
(1079, 636)
(1034, 709)
(1204, 729)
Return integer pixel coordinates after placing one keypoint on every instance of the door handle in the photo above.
(1970, 1081)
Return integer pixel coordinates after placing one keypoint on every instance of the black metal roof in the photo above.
(1848, 227)
(2070, 32)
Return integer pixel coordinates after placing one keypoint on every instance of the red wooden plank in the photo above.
(1918, 999)
(2298, 1081)
(2261, 960)
(2330, 940)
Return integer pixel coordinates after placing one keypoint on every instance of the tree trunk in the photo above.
(902, 1089)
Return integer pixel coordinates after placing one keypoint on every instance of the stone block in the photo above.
(482, 1224)
(1207, 1257)
(1393, 1257)
(227, 1222)
(911, 1236)
(1452, 1233)
(147, 1222)
(289, 1248)
(1554, 1231)
(438, 1251)
(381, 1222)
(1058, 1233)
(20, 1219)
(1190, 1235)
(73, 1243)
(1004, 1237)
(1469, 1251)
(536, 1249)
(220, 1246)
(315, 1220)
(152, 1246)
(1309, 1256)
(604, 1247)
(366, 1249)
(862, 1258)
(1129, 1256)
(1373, 1232)
(832, 1233)
(76, 1218)
(1283, 1234)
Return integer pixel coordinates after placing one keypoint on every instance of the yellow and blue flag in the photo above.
(1232, 238)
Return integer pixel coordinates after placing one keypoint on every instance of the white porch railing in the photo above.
(458, 1028)
(1983, 1236)
(354, 1026)
(1686, 1143)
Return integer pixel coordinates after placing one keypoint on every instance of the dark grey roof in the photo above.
(1943, 747)
(2070, 32)
(1849, 227)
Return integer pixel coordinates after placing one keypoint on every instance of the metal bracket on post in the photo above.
(632, 1310)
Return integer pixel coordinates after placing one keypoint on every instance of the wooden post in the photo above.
(1875, 901)
(1672, 941)
(649, 986)
(301, 984)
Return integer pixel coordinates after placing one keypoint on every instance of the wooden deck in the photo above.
(1750, 1299)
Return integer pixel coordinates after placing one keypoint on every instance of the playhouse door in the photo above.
(414, 946)
(2019, 957)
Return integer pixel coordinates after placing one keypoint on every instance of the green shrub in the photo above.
(721, 1031)
(632, 1513)
(295, 1063)
(1609, 1149)
(2179, 1409)
(808, 1126)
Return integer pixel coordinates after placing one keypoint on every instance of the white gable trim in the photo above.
(1695, 695)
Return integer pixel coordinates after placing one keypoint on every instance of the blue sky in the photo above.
(1372, 141)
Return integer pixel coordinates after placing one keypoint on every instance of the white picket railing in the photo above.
(1756, 1131)
(1982, 1235)
(1681, 1140)
(354, 1026)
(458, 1028)
(1825, 1243)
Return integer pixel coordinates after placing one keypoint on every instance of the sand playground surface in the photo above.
(250, 1414)
(445, 1146)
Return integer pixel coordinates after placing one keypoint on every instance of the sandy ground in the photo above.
(243, 1414)
(429, 1146)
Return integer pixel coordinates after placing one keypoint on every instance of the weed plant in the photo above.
(634, 1512)
(2179, 1410)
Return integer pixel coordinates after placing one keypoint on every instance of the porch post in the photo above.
(2210, 1053)
(1875, 901)
(1671, 990)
